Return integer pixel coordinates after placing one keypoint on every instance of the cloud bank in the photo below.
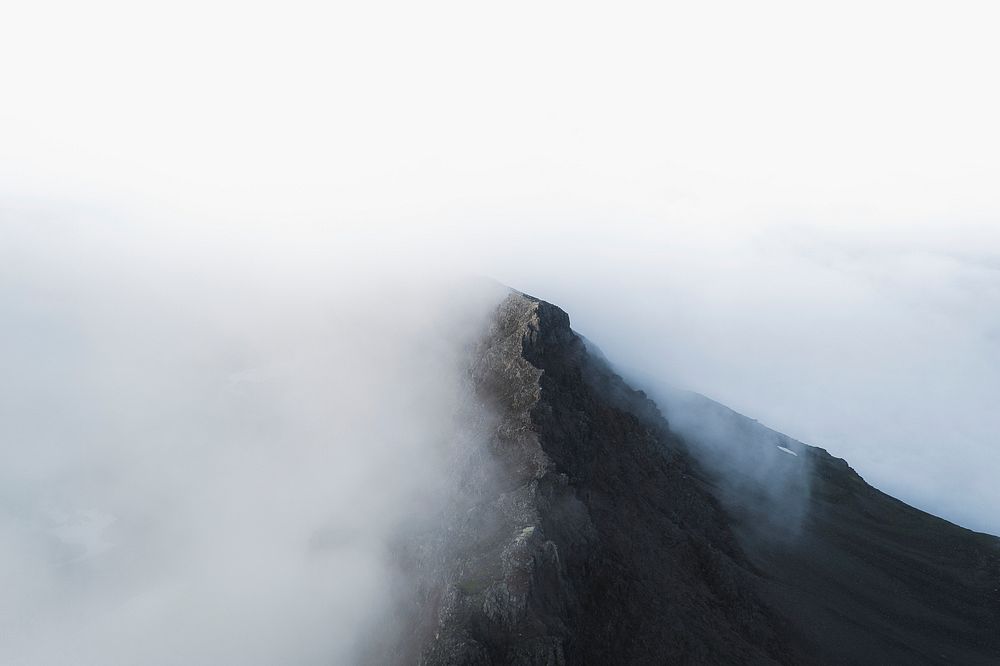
(212, 468)
(225, 231)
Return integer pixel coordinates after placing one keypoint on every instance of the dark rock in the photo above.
(587, 532)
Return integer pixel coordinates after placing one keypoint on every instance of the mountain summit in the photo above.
(604, 533)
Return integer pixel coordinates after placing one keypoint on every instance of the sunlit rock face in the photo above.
(583, 528)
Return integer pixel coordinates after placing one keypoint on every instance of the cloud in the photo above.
(212, 470)
(789, 210)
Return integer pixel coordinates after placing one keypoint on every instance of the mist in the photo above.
(242, 250)
(877, 344)
(211, 467)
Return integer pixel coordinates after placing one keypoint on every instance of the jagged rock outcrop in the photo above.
(586, 532)
(597, 541)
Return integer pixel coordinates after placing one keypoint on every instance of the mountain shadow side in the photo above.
(862, 577)
(600, 535)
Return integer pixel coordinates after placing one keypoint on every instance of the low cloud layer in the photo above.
(211, 435)
(229, 235)
(212, 470)
(877, 343)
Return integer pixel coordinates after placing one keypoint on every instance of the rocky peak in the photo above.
(587, 532)
(597, 544)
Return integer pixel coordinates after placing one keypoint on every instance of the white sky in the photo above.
(792, 207)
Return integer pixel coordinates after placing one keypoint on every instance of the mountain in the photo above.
(589, 528)
(860, 577)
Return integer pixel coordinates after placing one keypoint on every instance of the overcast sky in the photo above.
(790, 207)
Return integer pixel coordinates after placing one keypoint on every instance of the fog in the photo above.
(242, 247)
(879, 345)
(207, 465)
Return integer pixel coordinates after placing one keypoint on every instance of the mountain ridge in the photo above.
(605, 534)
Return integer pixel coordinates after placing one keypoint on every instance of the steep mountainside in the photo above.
(590, 532)
(861, 576)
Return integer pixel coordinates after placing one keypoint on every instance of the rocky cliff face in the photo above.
(594, 540)
(585, 532)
